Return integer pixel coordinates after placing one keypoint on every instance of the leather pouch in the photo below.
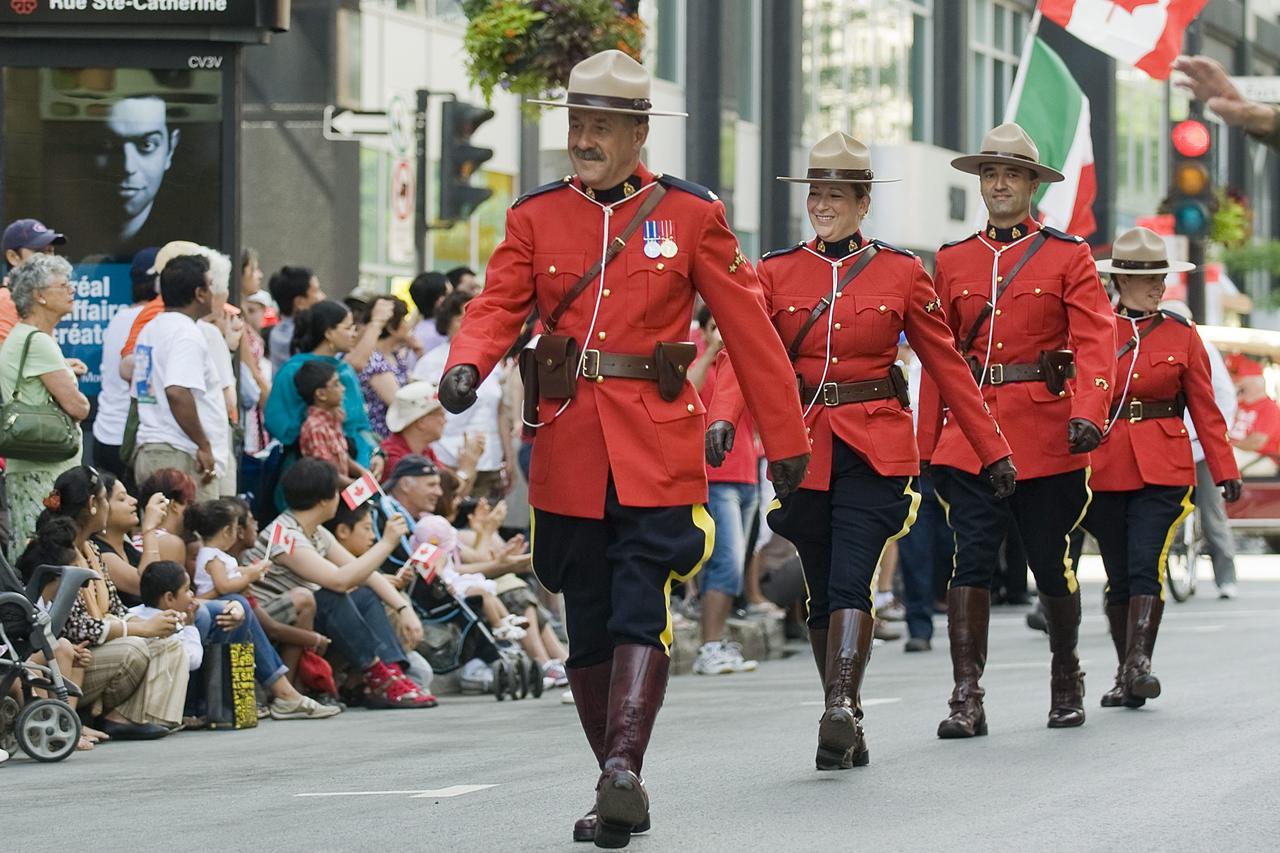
(1058, 366)
(557, 366)
(673, 359)
(898, 381)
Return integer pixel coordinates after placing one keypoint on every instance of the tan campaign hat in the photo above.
(839, 158)
(175, 249)
(611, 82)
(1141, 251)
(1008, 144)
(412, 402)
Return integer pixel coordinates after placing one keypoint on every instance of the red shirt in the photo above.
(1259, 416)
(322, 438)
(396, 448)
(741, 464)
(8, 312)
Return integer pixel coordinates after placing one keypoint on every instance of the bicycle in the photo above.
(1184, 554)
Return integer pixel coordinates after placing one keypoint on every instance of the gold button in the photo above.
(883, 308)
(1170, 358)
(838, 295)
(1183, 431)
(601, 336)
(835, 360)
(691, 409)
(1062, 393)
(791, 309)
(999, 279)
(662, 266)
(551, 269)
(837, 327)
(1037, 290)
(1135, 376)
(999, 312)
(599, 380)
(1000, 345)
(606, 293)
(808, 429)
(964, 293)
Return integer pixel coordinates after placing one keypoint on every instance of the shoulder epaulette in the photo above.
(1061, 235)
(545, 188)
(690, 187)
(892, 248)
(964, 239)
(785, 250)
(1173, 315)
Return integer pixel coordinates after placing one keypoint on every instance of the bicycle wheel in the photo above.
(1184, 552)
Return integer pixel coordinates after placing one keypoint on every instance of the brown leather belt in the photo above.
(1150, 410)
(999, 374)
(597, 365)
(840, 393)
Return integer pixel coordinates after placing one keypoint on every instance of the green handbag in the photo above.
(36, 432)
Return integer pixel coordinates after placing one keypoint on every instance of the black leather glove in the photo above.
(1003, 476)
(458, 388)
(788, 474)
(1083, 436)
(718, 442)
(1231, 490)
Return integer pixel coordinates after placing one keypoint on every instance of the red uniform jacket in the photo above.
(1055, 302)
(1169, 361)
(622, 428)
(891, 295)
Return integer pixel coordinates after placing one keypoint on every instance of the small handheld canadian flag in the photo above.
(360, 491)
(424, 559)
(281, 540)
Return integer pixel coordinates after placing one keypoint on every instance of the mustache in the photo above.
(594, 155)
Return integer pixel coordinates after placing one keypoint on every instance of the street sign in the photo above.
(404, 190)
(347, 125)
(1265, 89)
(400, 122)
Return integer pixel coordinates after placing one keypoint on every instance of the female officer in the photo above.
(1143, 477)
(839, 303)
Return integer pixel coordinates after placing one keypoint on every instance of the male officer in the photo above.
(1033, 320)
(617, 480)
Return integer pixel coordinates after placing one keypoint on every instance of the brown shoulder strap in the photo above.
(972, 336)
(793, 351)
(615, 246)
(1133, 342)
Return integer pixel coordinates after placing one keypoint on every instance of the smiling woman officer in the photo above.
(839, 303)
(1143, 475)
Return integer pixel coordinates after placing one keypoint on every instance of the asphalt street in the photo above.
(731, 764)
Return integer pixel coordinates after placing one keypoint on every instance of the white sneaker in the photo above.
(477, 677)
(566, 698)
(721, 659)
(1227, 590)
(4, 756)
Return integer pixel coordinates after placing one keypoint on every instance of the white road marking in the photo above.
(417, 793)
(866, 703)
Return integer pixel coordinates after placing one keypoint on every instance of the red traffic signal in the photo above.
(1191, 138)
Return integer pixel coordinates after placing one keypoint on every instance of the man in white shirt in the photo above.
(182, 414)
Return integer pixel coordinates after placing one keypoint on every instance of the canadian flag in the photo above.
(281, 539)
(1146, 34)
(424, 559)
(360, 491)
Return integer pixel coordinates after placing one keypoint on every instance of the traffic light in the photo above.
(459, 159)
(1191, 199)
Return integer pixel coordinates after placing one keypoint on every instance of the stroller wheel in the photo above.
(501, 675)
(48, 730)
(535, 680)
(523, 678)
(9, 709)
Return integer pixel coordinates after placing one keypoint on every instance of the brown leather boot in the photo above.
(1144, 615)
(1118, 619)
(841, 744)
(968, 614)
(636, 690)
(590, 686)
(818, 642)
(1066, 681)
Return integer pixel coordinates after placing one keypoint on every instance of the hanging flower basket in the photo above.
(528, 47)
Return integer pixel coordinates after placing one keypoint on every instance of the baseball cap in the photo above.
(269, 315)
(143, 261)
(29, 234)
(412, 465)
(174, 249)
(411, 402)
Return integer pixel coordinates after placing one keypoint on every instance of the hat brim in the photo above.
(397, 420)
(1105, 266)
(43, 240)
(973, 163)
(795, 180)
(621, 110)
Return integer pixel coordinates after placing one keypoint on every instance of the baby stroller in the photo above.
(453, 634)
(46, 729)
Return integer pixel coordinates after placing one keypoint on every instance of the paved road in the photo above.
(731, 764)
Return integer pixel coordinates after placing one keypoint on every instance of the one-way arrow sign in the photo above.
(346, 125)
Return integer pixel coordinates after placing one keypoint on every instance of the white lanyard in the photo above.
(607, 211)
(1128, 374)
(995, 274)
(831, 313)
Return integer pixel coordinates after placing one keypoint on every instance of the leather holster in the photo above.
(673, 359)
(1058, 366)
(898, 380)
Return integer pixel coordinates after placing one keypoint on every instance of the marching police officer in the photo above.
(1029, 314)
(1143, 474)
(839, 303)
(611, 258)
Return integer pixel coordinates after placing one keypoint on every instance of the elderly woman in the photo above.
(33, 369)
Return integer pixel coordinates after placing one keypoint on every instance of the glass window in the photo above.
(373, 204)
(996, 32)
(665, 37)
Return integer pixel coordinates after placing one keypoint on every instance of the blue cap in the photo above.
(142, 263)
(29, 234)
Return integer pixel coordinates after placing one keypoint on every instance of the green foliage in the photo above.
(529, 46)
(1232, 221)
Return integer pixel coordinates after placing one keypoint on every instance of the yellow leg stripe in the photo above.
(907, 523)
(533, 533)
(1163, 565)
(703, 521)
(946, 514)
(1068, 565)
